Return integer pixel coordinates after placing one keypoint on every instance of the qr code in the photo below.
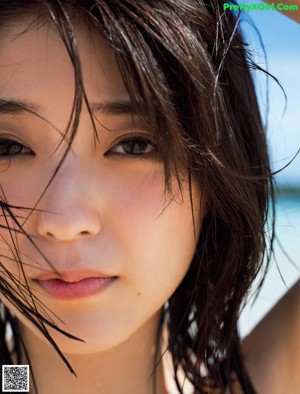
(15, 378)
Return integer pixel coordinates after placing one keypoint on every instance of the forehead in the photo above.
(35, 67)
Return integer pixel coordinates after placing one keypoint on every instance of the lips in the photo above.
(74, 285)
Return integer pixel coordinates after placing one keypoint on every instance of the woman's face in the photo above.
(105, 212)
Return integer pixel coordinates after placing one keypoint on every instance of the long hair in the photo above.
(186, 69)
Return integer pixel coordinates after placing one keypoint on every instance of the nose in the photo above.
(66, 212)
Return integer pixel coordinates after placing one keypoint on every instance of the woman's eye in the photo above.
(134, 146)
(12, 148)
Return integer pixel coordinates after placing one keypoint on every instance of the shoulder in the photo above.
(272, 350)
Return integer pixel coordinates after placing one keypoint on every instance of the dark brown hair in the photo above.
(186, 69)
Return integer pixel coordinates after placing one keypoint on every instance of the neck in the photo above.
(125, 369)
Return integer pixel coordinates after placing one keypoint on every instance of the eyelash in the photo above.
(8, 149)
(133, 143)
(139, 147)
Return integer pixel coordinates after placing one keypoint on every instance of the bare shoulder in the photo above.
(272, 350)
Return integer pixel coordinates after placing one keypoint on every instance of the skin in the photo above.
(105, 210)
(271, 351)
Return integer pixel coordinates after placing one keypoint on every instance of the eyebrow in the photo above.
(14, 107)
(117, 107)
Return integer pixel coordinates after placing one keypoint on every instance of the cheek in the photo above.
(22, 186)
(157, 235)
(20, 191)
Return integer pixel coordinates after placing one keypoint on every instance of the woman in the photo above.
(134, 194)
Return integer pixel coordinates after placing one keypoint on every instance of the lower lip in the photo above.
(74, 290)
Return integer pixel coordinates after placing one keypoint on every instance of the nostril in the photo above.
(64, 235)
(68, 227)
(84, 232)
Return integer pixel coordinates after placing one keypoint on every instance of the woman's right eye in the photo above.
(10, 148)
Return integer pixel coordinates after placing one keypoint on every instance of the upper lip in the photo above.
(71, 276)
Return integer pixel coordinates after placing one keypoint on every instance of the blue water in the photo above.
(285, 266)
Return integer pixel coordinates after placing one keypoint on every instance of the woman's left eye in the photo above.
(134, 146)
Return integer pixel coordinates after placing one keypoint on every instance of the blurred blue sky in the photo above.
(281, 38)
